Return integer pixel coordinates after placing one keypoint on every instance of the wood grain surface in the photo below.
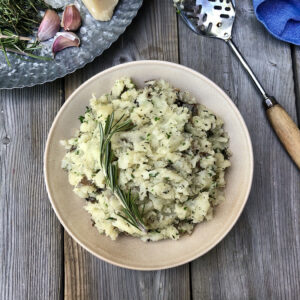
(87, 277)
(30, 234)
(296, 72)
(259, 259)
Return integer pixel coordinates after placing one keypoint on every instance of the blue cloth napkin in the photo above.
(280, 17)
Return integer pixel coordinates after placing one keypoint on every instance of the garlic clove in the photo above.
(49, 26)
(71, 19)
(101, 10)
(64, 40)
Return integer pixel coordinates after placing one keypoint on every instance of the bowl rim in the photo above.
(165, 64)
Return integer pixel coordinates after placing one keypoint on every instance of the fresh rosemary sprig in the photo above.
(111, 172)
(18, 19)
(21, 16)
(9, 42)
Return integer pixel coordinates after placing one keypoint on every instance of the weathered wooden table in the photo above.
(259, 259)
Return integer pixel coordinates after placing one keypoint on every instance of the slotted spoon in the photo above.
(215, 18)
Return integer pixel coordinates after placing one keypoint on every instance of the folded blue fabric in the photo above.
(280, 17)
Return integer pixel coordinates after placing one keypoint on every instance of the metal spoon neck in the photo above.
(247, 67)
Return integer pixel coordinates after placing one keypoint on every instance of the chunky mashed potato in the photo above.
(174, 160)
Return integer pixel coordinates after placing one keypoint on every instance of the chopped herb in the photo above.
(209, 133)
(156, 118)
(73, 148)
(153, 175)
(112, 219)
(81, 119)
(168, 135)
(91, 199)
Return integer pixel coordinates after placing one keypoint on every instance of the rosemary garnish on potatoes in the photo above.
(110, 170)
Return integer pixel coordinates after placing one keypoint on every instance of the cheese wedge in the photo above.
(101, 10)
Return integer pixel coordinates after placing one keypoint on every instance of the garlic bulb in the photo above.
(49, 26)
(64, 40)
(71, 19)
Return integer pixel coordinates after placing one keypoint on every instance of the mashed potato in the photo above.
(173, 159)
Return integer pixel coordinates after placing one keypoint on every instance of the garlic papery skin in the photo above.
(49, 26)
(64, 40)
(71, 19)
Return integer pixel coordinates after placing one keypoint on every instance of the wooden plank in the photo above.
(259, 259)
(90, 278)
(30, 234)
(296, 70)
(87, 277)
(152, 35)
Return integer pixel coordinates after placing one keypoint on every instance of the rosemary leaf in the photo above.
(111, 172)
(18, 20)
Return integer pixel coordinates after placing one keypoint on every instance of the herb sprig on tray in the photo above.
(110, 170)
(18, 19)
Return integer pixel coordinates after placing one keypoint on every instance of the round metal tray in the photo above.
(95, 37)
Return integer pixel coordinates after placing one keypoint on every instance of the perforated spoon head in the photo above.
(213, 18)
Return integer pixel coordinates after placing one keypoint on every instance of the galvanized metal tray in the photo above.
(95, 37)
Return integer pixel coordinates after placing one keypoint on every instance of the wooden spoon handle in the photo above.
(287, 131)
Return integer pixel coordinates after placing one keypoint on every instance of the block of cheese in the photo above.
(101, 10)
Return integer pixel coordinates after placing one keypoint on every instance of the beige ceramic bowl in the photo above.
(131, 252)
